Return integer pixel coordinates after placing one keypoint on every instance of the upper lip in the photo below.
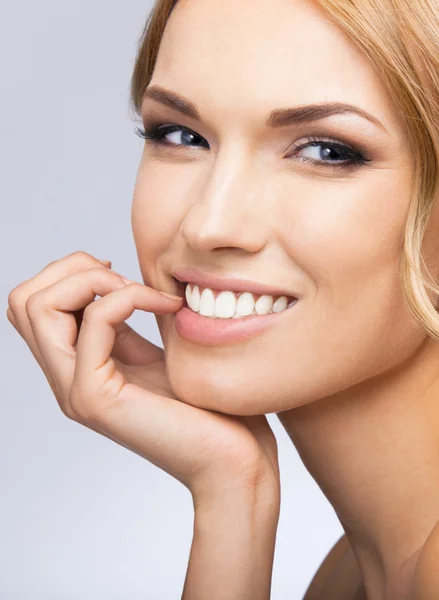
(234, 284)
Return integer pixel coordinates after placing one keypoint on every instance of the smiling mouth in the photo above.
(219, 322)
(227, 304)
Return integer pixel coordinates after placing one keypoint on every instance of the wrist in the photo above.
(257, 487)
(262, 500)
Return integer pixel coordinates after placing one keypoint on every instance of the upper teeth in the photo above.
(230, 305)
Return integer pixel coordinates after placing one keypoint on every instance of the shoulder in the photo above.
(426, 578)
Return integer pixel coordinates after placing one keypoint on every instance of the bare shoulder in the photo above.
(426, 578)
(338, 576)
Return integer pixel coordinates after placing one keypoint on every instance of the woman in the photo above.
(288, 195)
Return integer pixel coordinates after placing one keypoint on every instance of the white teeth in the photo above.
(228, 305)
(263, 305)
(280, 304)
(225, 305)
(245, 305)
(194, 302)
(207, 303)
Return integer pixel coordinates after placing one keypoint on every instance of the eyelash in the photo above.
(157, 132)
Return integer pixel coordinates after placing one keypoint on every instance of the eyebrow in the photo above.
(280, 117)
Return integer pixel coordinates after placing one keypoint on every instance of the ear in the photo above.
(426, 578)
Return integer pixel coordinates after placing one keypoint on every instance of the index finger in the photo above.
(102, 319)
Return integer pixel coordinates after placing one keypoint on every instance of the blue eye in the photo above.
(341, 155)
(157, 133)
(330, 148)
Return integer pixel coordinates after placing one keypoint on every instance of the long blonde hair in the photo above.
(401, 40)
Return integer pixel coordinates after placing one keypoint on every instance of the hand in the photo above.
(110, 379)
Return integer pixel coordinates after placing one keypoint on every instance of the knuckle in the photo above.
(15, 298)
(34, 303)
(82, 259)
(90, 312)
(80, 254)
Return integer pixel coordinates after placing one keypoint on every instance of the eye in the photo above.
(330, 152)
(181, 136)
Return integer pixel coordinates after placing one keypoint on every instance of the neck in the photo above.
(373, 450)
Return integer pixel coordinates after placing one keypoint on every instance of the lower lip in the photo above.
(210, 331)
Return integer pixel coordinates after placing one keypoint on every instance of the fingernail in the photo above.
(126, 280)
(106, 262)
(171, 296)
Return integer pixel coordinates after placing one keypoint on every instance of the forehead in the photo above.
(245, 58)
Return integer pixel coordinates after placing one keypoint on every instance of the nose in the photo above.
(231, 209)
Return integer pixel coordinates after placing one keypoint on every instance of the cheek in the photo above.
(345, 240)
(158, 210)
(345, 234)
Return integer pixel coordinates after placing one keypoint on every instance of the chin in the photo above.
(236, 391)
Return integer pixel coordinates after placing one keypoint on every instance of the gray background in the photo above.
(82, 518)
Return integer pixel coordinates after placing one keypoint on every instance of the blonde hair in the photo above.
(401, 40)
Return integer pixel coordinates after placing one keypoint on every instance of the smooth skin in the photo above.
(353, 379)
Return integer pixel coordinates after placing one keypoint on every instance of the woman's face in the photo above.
(239, 198)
